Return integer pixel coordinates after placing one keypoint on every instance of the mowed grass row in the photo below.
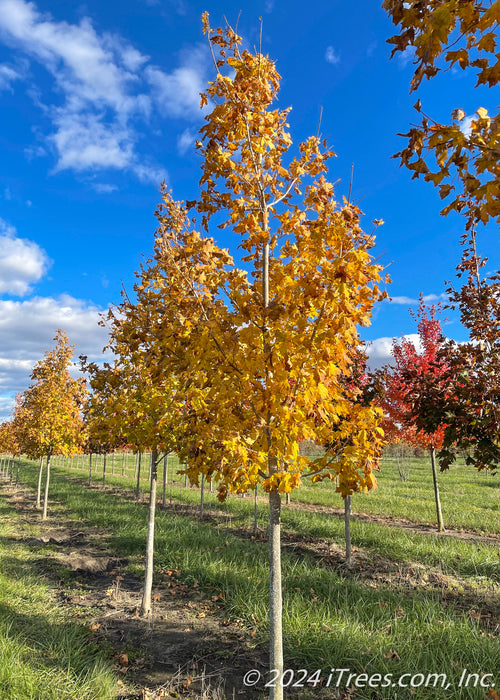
(470, 499)
(44, 654)
(332, 619)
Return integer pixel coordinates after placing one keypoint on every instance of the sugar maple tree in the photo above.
(415, 374)
(262, 352)
(9, 442)
(52, 422)
(129, 404)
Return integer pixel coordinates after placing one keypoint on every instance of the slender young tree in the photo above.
(53, 404)
(280, 333)
(416, 367)
(128, 406)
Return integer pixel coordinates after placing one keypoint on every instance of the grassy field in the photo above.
(415, 602)
(44, 653)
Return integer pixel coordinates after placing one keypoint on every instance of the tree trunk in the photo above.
(104, 469)
(90, 468)
(39, 488)
(138, 483)
(255, 511)
(347, 529)
(202, 495)
(46, 495)
(148, 574)
(165, 479)
(440, 521)
(275, 596)
(113, 463)
(18, 468)
(123, 465)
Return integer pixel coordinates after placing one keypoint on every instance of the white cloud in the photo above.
(331, 56)
(27, 329)
(84, 142)
(108, 89)
(404, 57)
(401, 300)
(7, 76)
(22, 262)
(104, 188)
(185, 141)
(379, 351)
(177, 94)
(428, 298)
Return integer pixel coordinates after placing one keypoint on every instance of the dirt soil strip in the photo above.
(479, 603)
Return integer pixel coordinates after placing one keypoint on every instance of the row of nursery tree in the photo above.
(233, 366)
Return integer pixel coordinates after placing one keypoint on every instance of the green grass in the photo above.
(332, 619)
(44, 654)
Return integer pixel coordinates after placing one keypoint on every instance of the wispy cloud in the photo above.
(109, 89)
(22, 262)
(104, 188)
(410, 301)
(8, 75)
(177, 94)
(185, 141)
(331, 56)
(403, 58)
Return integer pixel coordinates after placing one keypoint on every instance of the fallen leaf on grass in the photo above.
(392, 654)
(94, 626)
(123, 659)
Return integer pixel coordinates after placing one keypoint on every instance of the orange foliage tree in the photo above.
(127, 404)
(52, 422)
(262, 351)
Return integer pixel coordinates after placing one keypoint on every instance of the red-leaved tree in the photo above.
(416, 365)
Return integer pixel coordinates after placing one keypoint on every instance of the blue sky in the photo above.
(100, 101)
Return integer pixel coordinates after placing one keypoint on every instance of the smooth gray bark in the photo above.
(347, 529)
(440, 521)
(39, 487)
(165, 479)
(90, 468)
(255, 510)
(202, 494)
(148, 574)
(275, 594)
(138, 483)
(104, 469)
(46, 494)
